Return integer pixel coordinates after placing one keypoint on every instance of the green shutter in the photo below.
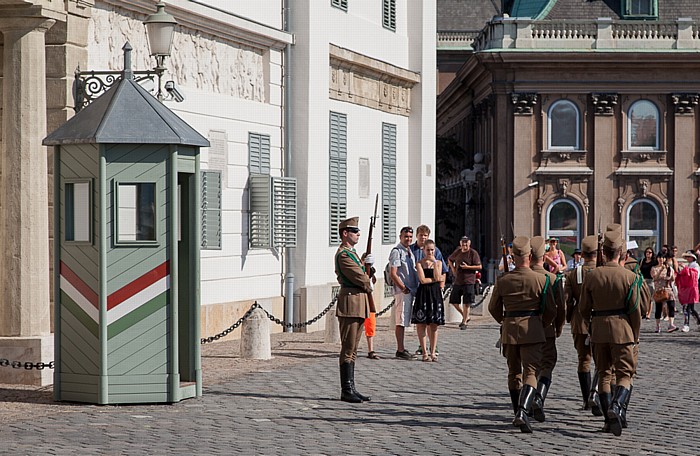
(284, 211)
(211, 210)
(388, 183)
(259, 153)
(337, 173)
(260, 203)
(389, 14)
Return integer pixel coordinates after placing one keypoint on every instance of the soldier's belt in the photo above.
(521, 313)
(608, 313)
(353, 287)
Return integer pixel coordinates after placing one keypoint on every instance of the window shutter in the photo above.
(388, 183)
(284, 211)
(342, 4)
(337, 173)
(259, 153)
(259, 194)
(389, 14)
(211, 210)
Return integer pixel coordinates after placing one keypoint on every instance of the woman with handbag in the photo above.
(663, 276)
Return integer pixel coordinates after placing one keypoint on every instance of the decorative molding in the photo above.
(564, 187)
(540, 204)
(604, 103)
(644, 187)
(362, 80)
(620, 204)
(552, 156)
(523, 103)
(685, 103)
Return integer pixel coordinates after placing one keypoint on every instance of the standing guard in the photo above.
(579, 328)
(611, 302)
(551, 331)
(522, 302)
(353, 304)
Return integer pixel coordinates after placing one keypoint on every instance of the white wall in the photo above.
(268, 12)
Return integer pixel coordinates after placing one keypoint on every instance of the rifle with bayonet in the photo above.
(599, 253)
(370, 271)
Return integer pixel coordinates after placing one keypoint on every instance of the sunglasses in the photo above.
(353, 230)
(407, 229)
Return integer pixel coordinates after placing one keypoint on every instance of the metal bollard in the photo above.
(332, 328)
(255, 336)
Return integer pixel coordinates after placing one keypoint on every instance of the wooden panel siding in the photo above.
(74, 358)
(138, 398)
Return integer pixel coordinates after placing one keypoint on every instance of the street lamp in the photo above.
(160, 28)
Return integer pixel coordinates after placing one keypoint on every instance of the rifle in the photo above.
(504, 250)
(370, 271)
(599, 253)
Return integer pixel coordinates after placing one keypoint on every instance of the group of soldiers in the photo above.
(603, 299)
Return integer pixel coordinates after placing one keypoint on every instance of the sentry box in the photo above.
(126, 252)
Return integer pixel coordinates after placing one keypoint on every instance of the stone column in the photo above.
(24, 247)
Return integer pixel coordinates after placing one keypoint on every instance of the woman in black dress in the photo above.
(428, 307)
(645, 267)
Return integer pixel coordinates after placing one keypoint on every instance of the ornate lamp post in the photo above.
(160, 28)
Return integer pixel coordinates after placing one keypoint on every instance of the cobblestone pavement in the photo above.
(289, 405)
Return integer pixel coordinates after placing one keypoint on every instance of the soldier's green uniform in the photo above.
(522, 302)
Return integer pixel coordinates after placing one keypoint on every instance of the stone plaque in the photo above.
(218, 154)
(363, 177)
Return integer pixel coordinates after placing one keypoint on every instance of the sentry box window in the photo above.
(78, 215)
(136, 213)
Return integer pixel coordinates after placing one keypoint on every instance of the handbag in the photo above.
(660, 295)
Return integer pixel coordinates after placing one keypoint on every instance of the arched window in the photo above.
(643, 126)
(644, 224)
(564, 222)
(563, 125)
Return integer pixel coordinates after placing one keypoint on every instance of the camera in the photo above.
(172, 90)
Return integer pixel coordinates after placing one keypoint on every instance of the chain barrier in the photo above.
(26, 365)
(230, 329)
(304, 324)
(386, 309)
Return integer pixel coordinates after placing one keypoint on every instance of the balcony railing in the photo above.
(599, 34)
(455, 39)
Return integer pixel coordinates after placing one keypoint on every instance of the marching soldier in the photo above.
(610, 301)
(522, 302)
(579, 328)
(551, 331)
(353, 304)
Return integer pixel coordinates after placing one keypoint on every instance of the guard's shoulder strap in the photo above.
(579, 274)
(543, 299)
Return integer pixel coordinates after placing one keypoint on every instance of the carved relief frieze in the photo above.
(199, 60)
(685, 103)
(604, 103)
(365, 81)
(523, 103)
(631, 188)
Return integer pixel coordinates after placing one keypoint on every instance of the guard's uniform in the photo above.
(579, 328)
(610, 301)
(522, 302)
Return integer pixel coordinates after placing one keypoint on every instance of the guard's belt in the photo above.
(521, 313)
(351, 286)
(608, 313)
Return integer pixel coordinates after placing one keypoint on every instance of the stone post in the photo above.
(24, 245)
(332, 335)
(255, 336)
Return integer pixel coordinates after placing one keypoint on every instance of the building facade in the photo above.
(308, 118)
(582, 115)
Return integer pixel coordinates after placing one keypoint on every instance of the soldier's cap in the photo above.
(614, 227)
(464, 239)
(537, 244)
(589, 244)
(521, 246)
(613, 240)
(352, 222)
(690, 254)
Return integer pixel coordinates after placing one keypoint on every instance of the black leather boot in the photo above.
(593, 399)
(540, 396)
(352, 382)
(527, 394)
(346, 392)
(584, 380)
(623, 415)
(605, 399)
(615, 410)
(514, 399)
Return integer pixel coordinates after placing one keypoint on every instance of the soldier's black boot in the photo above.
(623, 415)
(605, 399)
(527, 394)
(540, 396)
(352, 382)
(514, 399)
(584, 380)
(593, 399)
(615, 410)
(346, 392)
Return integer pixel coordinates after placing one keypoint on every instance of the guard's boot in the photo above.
(623, 415)
(346, 392)
(514, 399)
(527, 394)
(605, 399)
(615, 410)
(593, 399)
(540, 396)
(584, 380)
(352, 382)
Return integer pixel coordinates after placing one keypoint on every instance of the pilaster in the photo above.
(603, 153)
(524, 195)
(683, 161)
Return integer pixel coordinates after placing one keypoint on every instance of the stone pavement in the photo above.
(290, 405)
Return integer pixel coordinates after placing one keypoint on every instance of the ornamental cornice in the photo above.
(604, 103)
(523, 103)
(685, 103)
